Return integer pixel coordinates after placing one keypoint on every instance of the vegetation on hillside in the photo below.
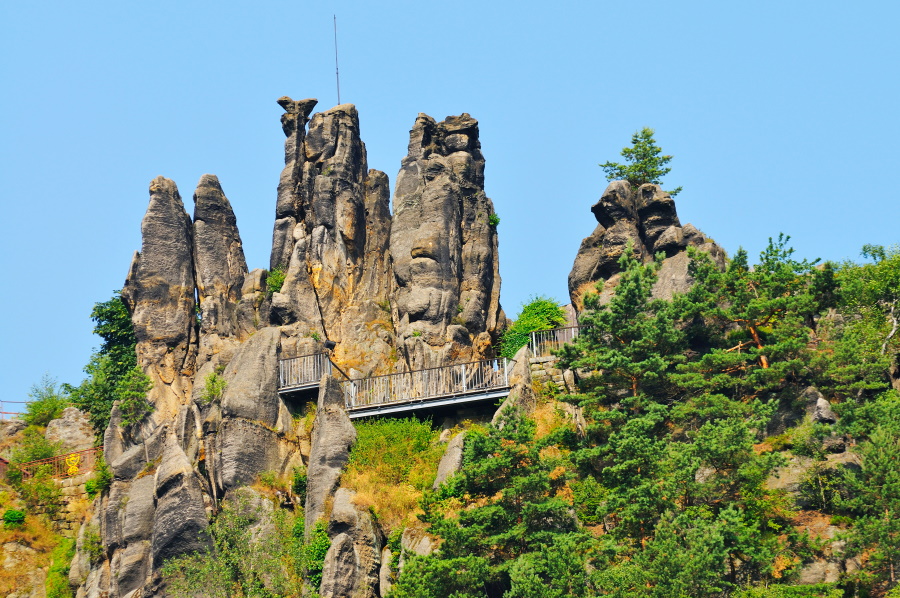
(664, 491)
(540, 313)
(113, 373)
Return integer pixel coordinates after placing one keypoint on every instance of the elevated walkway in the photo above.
(417, 390)
(303, 373)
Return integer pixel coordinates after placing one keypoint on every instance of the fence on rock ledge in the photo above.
(64, 466)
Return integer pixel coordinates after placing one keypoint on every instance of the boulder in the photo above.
(332, 436)
(452, 460)
(73, 431)
(353, 561)
(823, 412)
(10, 427)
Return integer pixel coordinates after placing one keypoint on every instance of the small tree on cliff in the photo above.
(644, 164)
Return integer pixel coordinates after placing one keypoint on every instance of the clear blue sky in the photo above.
(782, 117)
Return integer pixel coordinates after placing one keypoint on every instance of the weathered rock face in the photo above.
(646, 218)
(353, 561)
(73, 430)
(332, 437)
(444, 246)
(331, 232)
(219, 264)
(159, 293)
(451, 461)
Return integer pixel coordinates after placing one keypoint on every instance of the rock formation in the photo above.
(415, 289)
(219, 265)
(159, 293)
(331, 232)
(444, 246)
(646, 218)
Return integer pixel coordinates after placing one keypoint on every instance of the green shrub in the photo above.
(34, 447)
(132, 395)
(214, 388)
(298, 483)
(13, 518)
(103, 475)
(58, 575)
(242, 561)
(314, 552)
(40, 490)
(541, 313)
(275, 280)
(493, 220)
(92, 544)
(46, 404)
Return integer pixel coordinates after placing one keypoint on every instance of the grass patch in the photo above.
(391, 464)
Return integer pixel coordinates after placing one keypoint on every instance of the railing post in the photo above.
(463, 368)
(505, 372)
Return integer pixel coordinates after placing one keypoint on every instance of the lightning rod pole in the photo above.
(337, 75)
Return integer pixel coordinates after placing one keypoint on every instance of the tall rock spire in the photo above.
(159, 292)
(219, 264)
(444, 246)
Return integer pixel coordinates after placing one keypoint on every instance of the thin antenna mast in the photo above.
(337, 74)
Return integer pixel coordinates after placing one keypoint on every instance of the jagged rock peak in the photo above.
(159, 293)
(219, 263)
(444, 246)
(331, 237)
(646, 217)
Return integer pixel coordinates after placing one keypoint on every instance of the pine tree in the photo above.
(644, 164)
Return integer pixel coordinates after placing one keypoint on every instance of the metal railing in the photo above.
(64, 466)
(304, 371)
(543, 342)
(4, 412)
(477, 377)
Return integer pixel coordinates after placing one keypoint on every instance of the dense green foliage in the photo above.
(46, 402)
(275, 279)
(667, 477)
(102, 478)
(113, 374)
(242, 560)
(214, 388)
(13, 518)
(644, 164)
(541, 313)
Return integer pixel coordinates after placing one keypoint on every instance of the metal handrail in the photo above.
(63, 466)
(305, 370)
(474, 377)
(544, 342)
